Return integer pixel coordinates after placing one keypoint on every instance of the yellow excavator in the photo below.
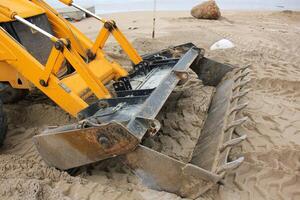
(40, 49)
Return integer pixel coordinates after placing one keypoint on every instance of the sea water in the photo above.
(106, 6)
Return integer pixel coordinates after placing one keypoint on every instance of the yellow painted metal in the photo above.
(67, 2)
(126, 46)
(64, 29)
(30, 68)
(90, 78)
(69, 91)
(53, 64)
(9, 74)
(120, 38)
(59, 59)
(23, 8)
(101, 39)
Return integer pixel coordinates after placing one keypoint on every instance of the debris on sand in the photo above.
(206, 10)
(222, 44)
(133, 28)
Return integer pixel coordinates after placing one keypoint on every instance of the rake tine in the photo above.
(239, 132)
(231, 165)
(246, 67)
(239, 107)
(237, 123)
(241, 84)
(242, 76)
(233, 142)
(242, 69)
(240, 94)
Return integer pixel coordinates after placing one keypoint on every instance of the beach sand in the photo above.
(269, 41)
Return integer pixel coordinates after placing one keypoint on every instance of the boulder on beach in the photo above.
(206, 10)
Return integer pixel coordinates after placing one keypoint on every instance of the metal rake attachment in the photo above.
(217, 139)
(118, 126)
(234, 121)
(210, 160)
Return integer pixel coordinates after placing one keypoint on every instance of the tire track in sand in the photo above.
(251, 181)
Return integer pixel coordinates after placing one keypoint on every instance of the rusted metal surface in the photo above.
(75, 148)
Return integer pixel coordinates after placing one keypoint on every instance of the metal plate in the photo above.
(75, 148)
(161, 172)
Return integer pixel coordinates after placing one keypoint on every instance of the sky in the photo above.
(108, 6)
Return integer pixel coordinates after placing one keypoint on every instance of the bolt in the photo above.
(59, 45)
(153, 125)
(43, 83)
(90, 55)
(104, 141)
(110, 25)
(103, 105)
(80, 116)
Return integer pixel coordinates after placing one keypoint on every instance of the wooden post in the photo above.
(154, 18)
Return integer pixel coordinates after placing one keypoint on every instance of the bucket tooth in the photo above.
(242, 69)
(239, 131)
(241, 84)
(237, 123)
(231, 165)
(239, 107)
(233, 142)
(242, 76)
(240, 95)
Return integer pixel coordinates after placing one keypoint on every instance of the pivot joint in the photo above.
(110, 25)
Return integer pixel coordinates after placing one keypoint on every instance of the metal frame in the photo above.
(135, 110)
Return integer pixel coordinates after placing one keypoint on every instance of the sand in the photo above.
(269, 41)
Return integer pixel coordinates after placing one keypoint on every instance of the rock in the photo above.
(206, 10)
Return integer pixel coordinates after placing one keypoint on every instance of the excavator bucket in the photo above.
(119, 126)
